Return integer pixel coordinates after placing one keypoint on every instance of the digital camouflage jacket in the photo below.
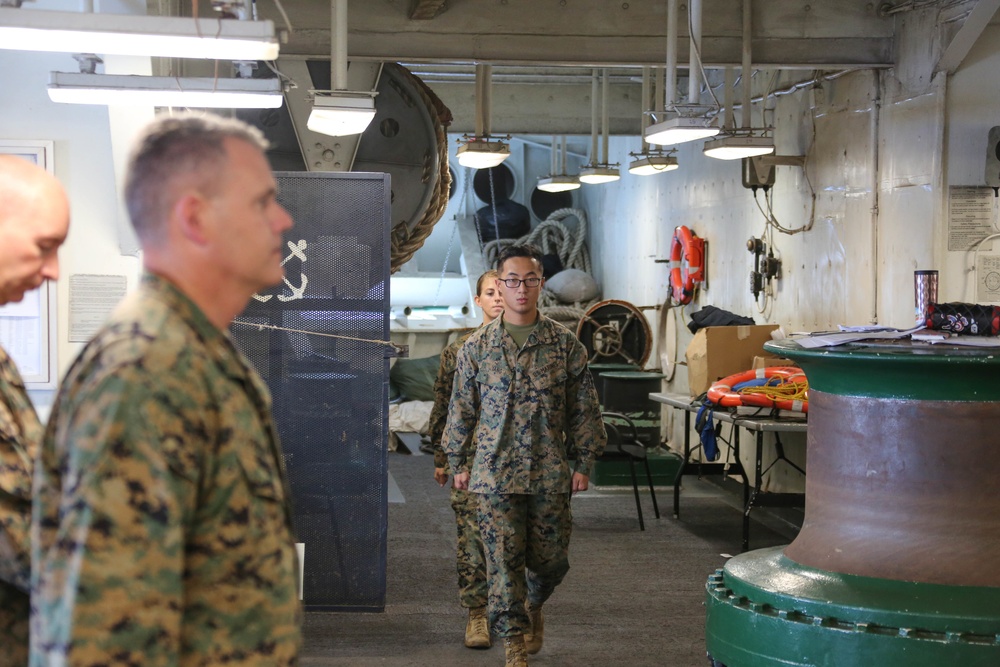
(442, 397)
(20, 436)
(162, 530)
(532, 404)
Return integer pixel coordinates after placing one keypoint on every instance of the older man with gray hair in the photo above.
(162, 516)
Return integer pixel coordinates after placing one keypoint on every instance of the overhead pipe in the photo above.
(594, 110)
(605, 124)
(483, 100)
(729, 118)
(644, 121)
(487, 89)
(694, 52)
(670, 83)
(338, 49)
(747, 64)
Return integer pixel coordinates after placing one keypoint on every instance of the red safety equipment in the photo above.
(687, 256)
(721, 392)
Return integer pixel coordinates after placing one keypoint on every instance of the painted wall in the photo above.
(85, 147)
(881, 149)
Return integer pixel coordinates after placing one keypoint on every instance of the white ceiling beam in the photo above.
(968, 34)
(595, 33)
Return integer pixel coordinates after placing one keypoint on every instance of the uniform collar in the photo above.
(544, 332)
(216, 341)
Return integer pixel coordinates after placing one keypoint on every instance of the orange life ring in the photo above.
(721, 392)
(687, 255)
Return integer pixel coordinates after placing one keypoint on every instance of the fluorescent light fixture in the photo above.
(599, 173)
(735, 147)
(679, 130)
(164, 91)
(125, 34)
(340, 113)
(561, 183)
(647, 165)
(482, 153)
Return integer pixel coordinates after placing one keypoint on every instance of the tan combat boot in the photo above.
(477, 631)
(517, 656)
(533, 639)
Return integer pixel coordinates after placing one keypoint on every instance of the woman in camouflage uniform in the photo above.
(472, 588)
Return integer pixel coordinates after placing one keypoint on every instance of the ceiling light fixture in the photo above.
(593, 175)
(690, 123)
(651, 161)
(561, 183)
(123, 34)
(558, 182)
(340, 112)
(734, 144)
(649, 164)
(738, 145)
(482, 151)
(680, 130)
(164, 91)
(598, 171)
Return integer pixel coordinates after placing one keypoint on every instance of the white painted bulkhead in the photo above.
(881, 147)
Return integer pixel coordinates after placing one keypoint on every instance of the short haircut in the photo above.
(176, 150)
(491, 274)
(521, 250)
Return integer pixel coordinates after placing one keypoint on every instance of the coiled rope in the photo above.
(777, 390)
(404, 240)
(553, 237)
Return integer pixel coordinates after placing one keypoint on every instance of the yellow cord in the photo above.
(785, 391)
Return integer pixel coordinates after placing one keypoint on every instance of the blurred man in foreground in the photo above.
(162, 521)
(34, 219)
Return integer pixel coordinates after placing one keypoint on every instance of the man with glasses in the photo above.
(523, 389)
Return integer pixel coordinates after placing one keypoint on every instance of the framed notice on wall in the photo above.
(28, 328)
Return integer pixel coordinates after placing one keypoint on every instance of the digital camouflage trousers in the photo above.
(470, 558)
(527, 546)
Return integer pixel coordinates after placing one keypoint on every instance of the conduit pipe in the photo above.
(694, 52)
(594, 109)
(338, 47)
(670, 83)
(644, 121)
(747, 60)
(605, 124)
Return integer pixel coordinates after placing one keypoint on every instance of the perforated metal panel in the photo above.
(330, 394)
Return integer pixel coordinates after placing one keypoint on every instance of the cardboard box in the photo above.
(716, 352)
(769, 362)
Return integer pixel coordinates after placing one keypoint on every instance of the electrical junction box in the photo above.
(757, 173)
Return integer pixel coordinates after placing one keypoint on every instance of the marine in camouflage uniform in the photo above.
(20, 434)
(34, 220)
(161, 523)
(470, 558)
(523, 404)
(164, 530)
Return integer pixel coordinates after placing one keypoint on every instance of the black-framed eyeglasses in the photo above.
(514, 283)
